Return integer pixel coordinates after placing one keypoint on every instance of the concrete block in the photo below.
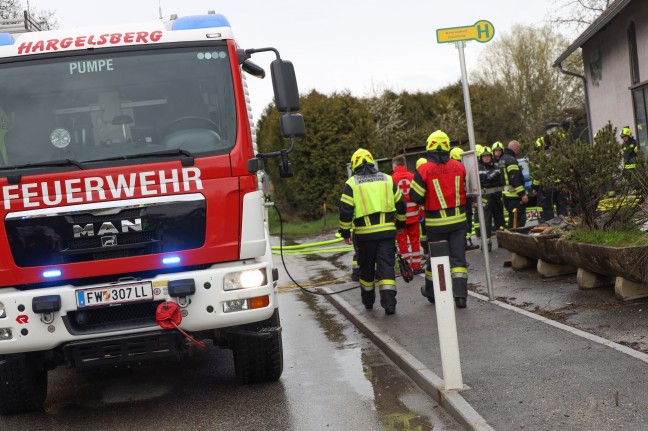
(589, 280)
(625, 290)
(546, 269)
(521, 262)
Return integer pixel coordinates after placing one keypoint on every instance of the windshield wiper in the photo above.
(63, 162)
(189, 161)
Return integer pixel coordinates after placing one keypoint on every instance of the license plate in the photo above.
(117, 294)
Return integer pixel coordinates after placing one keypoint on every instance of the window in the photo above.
(639, 98)
(633, 55)
(98, 106)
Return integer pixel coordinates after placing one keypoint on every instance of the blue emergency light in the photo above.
(171, 260)
(51, 273)
(200, 21)
(6, 39)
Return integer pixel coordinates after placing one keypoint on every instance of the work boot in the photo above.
(390, 310)
(368, 298)
(470, 245)
(430, 298)
(460, 302)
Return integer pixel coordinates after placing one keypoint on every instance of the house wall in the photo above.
(610, 98)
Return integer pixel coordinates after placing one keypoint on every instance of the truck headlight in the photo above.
(5, 334)
(244, 279)
(3, 313)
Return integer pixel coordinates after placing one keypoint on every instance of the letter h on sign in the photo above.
(483, 30)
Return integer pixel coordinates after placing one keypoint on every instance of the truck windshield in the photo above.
(100, 106)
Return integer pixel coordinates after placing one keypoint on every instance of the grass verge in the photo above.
(296, 228)
(612, 238)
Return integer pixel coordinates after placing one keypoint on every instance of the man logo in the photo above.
(109, 241)
(107, 227)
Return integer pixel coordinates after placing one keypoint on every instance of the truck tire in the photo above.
(23, 383)
(259, 358)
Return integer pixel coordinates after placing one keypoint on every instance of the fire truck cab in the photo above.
(133, 201)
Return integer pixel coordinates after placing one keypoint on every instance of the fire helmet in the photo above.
(438, 141)
(359, 157)
(455, 153)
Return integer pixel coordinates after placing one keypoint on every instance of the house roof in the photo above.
(608, 14)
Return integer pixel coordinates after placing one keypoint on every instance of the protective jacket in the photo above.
(630, 150)
(439, 186)
(490, 178)
(512, 173)
(403, 179)
(372, 203)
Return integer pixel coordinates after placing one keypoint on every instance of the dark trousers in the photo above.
(377, 259)
(456, 238)
(547, 198)
(493, 212)
(515, 204)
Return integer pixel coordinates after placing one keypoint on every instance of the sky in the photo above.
(360, 46)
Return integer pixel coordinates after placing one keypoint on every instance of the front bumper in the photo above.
(203, 310)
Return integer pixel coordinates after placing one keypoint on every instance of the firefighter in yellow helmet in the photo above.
(375, 207)
(630, 148)
(439, 186)
(515, 196)
(498, 150)
(423, 238)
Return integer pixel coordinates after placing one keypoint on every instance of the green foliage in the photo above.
(589, 172)
(297, 228)
(612, 238)
(522, 63)
(336, 126)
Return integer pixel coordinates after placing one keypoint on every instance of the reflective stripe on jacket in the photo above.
(440, 187)
(513, 177)
(368, 202)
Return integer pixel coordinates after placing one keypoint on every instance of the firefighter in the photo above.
(515, 197)
(549, 198)
(490, 179)
(369, 202)
(498, 151)
(424, 244)
(403, 179)
(439, 185)
(498, 209)
(630, 148)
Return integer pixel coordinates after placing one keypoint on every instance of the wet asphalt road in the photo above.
(333, 379)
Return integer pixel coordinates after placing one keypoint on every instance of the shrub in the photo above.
(590, 174)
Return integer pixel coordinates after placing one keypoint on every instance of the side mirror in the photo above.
(284, 84)
(292, 125)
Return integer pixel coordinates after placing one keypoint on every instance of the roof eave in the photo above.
(612, 11)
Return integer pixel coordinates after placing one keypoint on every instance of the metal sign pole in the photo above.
(471, 137)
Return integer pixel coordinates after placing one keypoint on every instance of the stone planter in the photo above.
(541, 248)
(624, 267)
(598, 265)
(629, 262)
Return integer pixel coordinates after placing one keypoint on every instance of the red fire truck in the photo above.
(133, 205)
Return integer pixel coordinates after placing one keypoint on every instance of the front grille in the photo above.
(123, 349)
(118, 317)
(115, 233)
(122, 239)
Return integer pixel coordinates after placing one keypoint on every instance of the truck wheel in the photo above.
(23, 383)
(259, 358)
